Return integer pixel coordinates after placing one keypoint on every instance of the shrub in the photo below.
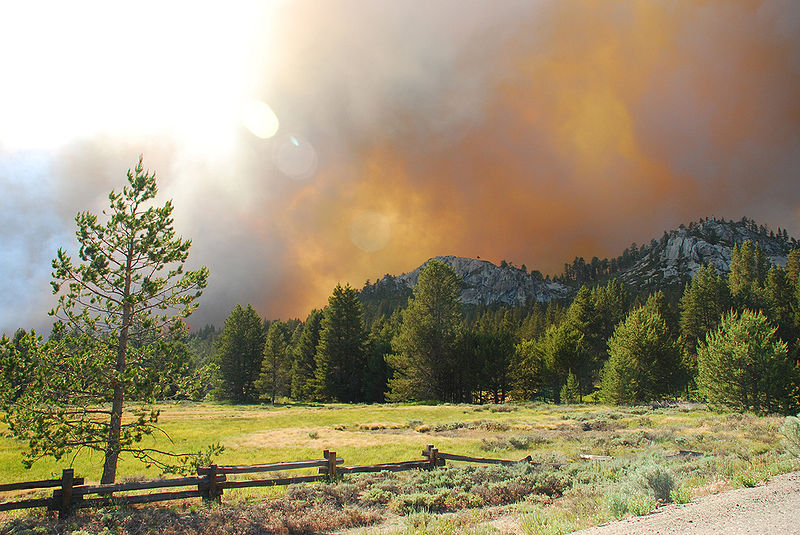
(521, 442)
(538, 522)
(423, 523)
(378, 495)
(420, 501)
(617, 505)
(641, 505)
(660, 481)
(414, 423)
(791, 434)
(501, 408)
(681, 495)
(747, 480)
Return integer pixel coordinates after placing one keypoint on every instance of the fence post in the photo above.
(213, 492)
(428, 453)
(67, 479)
(331, 457)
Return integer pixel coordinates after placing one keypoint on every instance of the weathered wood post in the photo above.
(214, 493)
(331, 457)
(67, 480)
(432, 454)
(210, 487)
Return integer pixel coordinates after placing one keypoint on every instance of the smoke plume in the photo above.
(528, 131)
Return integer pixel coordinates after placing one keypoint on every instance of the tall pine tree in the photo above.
(341, 355)
(304, 363)
(743, 365)
(120, 306)
(239, 353)
(425, 362)
(704, 301)
(275, 376)
(642, 360)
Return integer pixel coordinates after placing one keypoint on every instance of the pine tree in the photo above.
(341, 357)
(379, 345)
(239, 353)
(793, 267)
(275, 373)
(779, 297)
(748, 273)
(425, 360)
(570, 392)
(560, 354)
(704, 301)
(120, 307)
(530, 374)
(671, 374)
(611, 306)
(642, 359)
(744, 366)
(587, 358)
(304, 363)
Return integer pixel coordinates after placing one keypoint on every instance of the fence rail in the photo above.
(70, 493)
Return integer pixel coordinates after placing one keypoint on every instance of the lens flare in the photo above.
(259, 118)
(370, 231)
(295, 157)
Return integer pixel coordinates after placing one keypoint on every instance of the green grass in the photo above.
(257, 434)
(736, 450)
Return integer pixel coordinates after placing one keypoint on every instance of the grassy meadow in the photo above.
(731, 450)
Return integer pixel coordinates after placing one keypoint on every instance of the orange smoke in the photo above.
(601, 123)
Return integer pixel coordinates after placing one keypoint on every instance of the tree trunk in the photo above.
(114, 433)
(115, 425)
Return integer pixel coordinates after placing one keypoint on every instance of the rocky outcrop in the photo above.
(486, 283)
(671, 260)
(679, 255)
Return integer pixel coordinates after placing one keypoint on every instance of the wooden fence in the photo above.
(71, 493)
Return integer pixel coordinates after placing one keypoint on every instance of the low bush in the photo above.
(522, 442)
(681, 495)
(660, 481)
(617, 505)
(791, 435)
(641, 505)
(542, 522)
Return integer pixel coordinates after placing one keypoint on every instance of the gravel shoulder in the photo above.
(768, 509)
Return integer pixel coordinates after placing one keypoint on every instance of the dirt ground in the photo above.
(769, 509)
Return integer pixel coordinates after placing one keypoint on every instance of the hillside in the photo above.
(482, 283)
(676, 257)
(669, 261)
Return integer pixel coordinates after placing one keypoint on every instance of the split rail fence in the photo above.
(71, 493)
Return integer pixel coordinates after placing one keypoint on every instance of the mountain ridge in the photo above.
(671, 260)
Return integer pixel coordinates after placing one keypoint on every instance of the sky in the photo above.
(306, 143)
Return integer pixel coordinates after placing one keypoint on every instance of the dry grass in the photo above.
(735, 450)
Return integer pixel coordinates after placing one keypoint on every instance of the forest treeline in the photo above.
(731, 339)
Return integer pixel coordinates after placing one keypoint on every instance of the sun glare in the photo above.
(74, 70)
(259, 118)
(370, 231)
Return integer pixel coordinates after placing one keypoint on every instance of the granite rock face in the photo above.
(681, 253)
(487, 283)
(671, 260)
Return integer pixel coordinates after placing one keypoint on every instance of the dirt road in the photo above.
(773, 508)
